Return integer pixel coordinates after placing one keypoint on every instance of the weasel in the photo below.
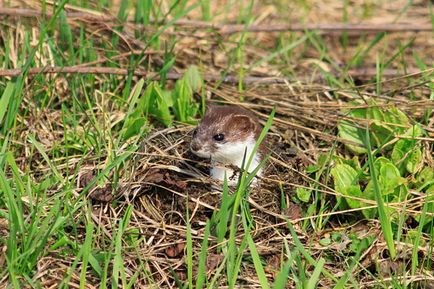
(223, 135)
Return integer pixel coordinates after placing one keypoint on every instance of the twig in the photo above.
(138, 72)
(82, 69)
(73, 69)
(389, 72)
(231, 29)
(329, 27)
(24, 12)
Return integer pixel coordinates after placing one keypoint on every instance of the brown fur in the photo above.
(234, 122)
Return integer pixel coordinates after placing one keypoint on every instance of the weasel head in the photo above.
(225, 133)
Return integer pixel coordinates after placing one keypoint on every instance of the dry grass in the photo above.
(162, 179)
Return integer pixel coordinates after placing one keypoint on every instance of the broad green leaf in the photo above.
(344, 176)
(160, 107)
(374, 112)
(385, 124)
(379, 162)
(390, 184)
(381, 132)
(396, 116)
(312, 169)
(389, 178)
(349, 131)
(134, 126)
(182, 97)
(414, 131)
(400, 153)
(346, 182)
(413, 161)
(429, 200)
(353, 162)
(425, 175)
(303, 194)
(325, 241)
(193, 78)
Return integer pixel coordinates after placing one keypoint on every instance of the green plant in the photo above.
(392, 169)
(394, 163)
(163, 105)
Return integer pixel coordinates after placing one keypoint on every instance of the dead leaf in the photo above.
(177, 183)
(86, 178)
(162, 177)
(175, 251)
(182, 275)
(99, 194)
(293, 211)
(273, 265)
(154, 176)
(213, 261)
(3, 256)
(102, 194)
(388, 267)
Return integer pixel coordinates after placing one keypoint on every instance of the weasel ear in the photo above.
(244, 123)
(210, 107)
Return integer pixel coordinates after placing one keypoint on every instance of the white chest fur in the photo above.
(233, 154)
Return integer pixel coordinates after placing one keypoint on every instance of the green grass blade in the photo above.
(201, 270)
(342, 282)
(43, 153)
(189, 250)
(384, 218)
(306, 254)
(240, 192)
(206, 10)
(257, 144)
(95, 265)
(218, 272)
(236, 265)
(13, 200)
(172, 21)
(257, 262)
(4, 100)
(223, 214)
(254, 252)
(87, 250)
(282, 276)
(118, 263)
(284, 50)
(311, 284)
(364, 54)
(418, 237)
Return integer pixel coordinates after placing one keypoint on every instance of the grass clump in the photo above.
(164, 105)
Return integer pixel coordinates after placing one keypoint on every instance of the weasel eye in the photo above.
(219, 137)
